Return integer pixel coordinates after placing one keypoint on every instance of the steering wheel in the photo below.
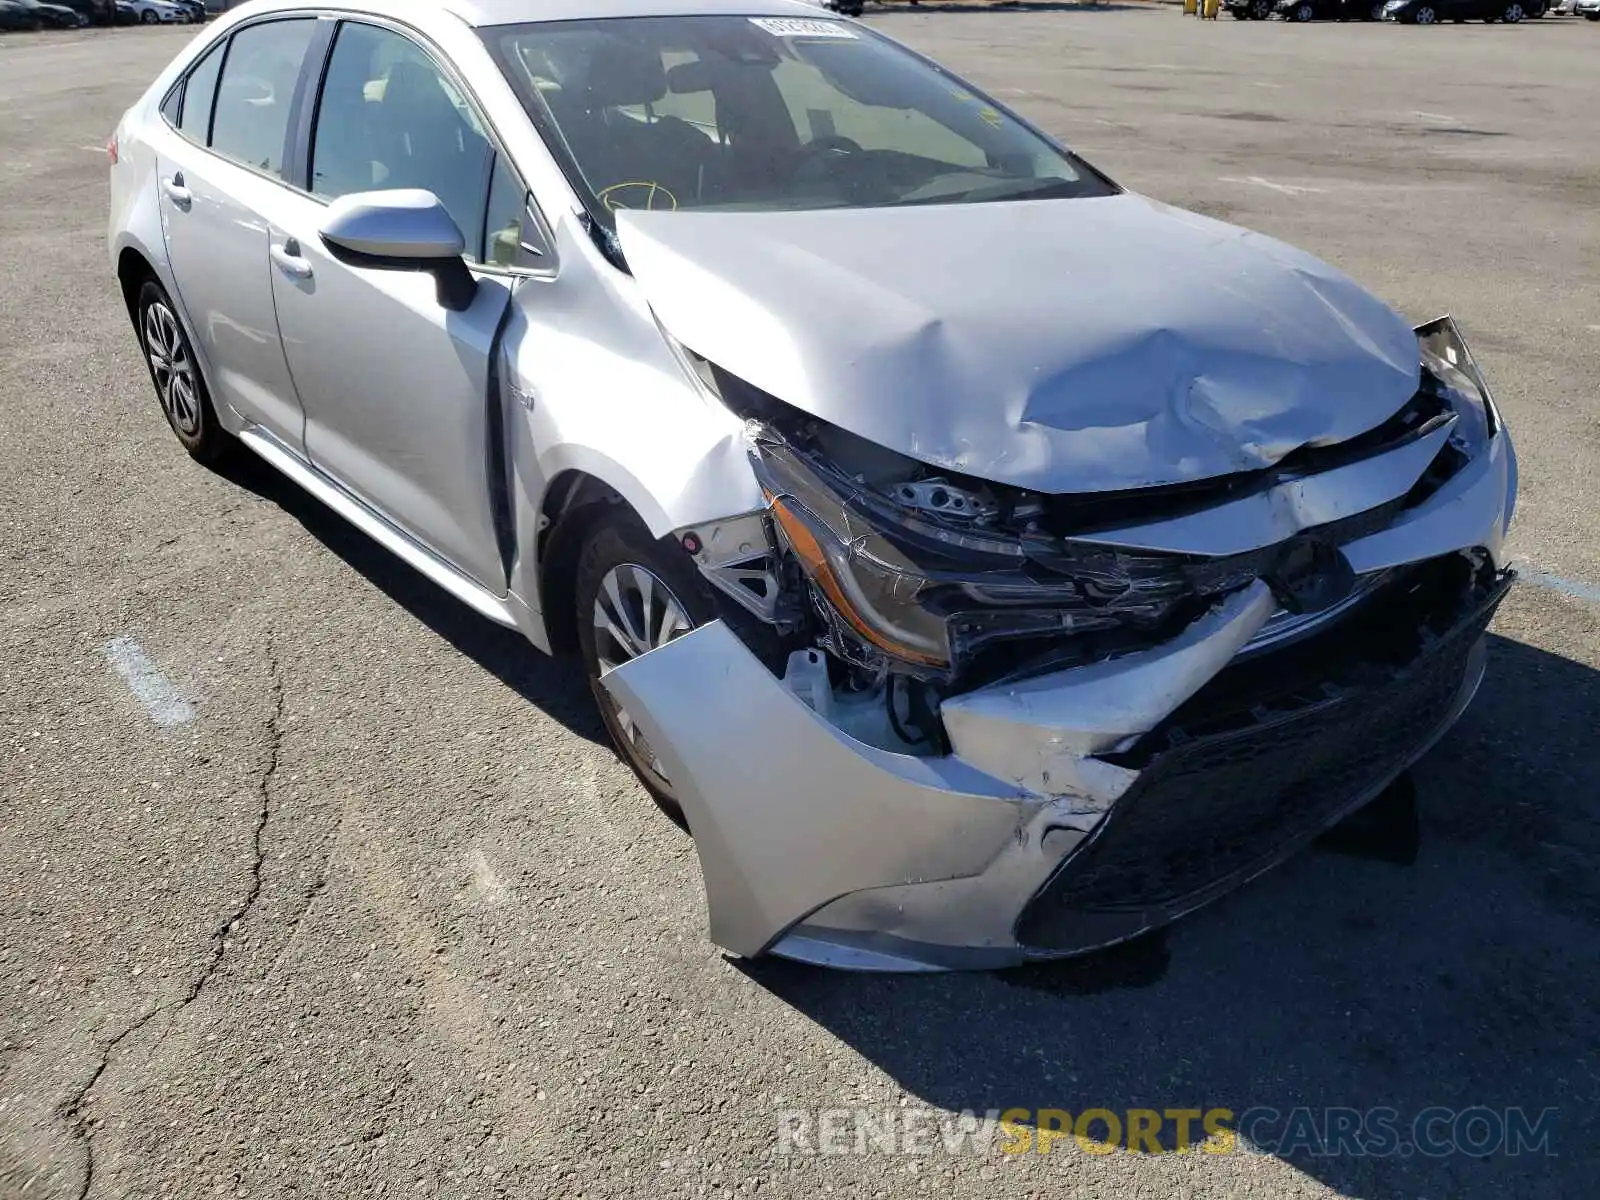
(811, 154)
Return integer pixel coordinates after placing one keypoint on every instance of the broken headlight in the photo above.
(1451, 373)
(933, 576)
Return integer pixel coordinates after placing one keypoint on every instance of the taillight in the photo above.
(111, 149)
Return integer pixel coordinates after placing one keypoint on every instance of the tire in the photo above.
(175, 373)
(1513, 14)
(1260, 10)
(148, 17)
(1304, 12)
(608, 596)
(1424, 16)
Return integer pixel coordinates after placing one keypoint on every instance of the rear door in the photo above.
(396, 389)
(220, 170)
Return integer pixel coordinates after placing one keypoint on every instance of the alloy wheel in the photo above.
(173, 369)
(1514, 13)
(634, 613)
(1424, 16)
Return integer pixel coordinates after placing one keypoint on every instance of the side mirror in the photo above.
(402, 230)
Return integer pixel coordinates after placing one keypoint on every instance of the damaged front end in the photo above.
(948, 723)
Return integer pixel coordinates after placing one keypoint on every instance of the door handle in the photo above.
(287, 259)
(176, 192)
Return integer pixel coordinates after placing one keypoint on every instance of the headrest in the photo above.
(624, 73)
(687, 78)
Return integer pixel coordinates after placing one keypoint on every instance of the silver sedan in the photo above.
(981, 561)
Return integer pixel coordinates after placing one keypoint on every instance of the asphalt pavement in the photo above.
(314, 884)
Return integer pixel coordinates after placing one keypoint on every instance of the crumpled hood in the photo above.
(1060, 345)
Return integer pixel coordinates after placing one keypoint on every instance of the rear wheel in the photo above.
(1513, 14)
(1260, 10)
(1304, 12)
(1425, 16)
(633, 595)
(180, 388)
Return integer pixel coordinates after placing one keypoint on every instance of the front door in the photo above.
(395, 387)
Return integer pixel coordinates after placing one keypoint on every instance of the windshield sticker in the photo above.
(803, 27)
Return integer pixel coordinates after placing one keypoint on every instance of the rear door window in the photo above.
(251, 119)
(199, 92)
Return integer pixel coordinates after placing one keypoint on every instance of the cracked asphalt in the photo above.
(386, 918)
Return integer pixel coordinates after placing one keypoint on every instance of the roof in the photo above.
(514, 12)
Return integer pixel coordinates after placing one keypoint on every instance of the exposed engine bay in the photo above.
(889, 584)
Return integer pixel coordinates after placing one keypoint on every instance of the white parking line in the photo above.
(1428, 116)
(1575, 588)
(148, 685)
(1287, 189)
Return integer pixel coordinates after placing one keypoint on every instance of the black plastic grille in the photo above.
(1218, 808)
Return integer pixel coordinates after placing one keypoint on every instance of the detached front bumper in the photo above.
(1079, 809)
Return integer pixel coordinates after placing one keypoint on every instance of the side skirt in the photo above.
(502, 610)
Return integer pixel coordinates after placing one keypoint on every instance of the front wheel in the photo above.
(148, 17)
(1425, 16)
(1304, 12)
(1260, 10)
(633, 595)
(1513, 14)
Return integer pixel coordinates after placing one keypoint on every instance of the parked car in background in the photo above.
(15, 18)
(1589, 9)
(94, 12)
(195, 8)
(1430, 12)
(1330, 10)
(158, 12)
(52, 16)
(1249, 10)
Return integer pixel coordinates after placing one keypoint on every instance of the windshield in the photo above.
(768, 113)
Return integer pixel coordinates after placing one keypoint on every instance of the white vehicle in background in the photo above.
(156, 12)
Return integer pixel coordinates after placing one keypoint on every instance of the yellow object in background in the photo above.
(1210, 10)
(1190, 7)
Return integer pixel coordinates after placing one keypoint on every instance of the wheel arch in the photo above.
(574, 503)
(134, 269)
